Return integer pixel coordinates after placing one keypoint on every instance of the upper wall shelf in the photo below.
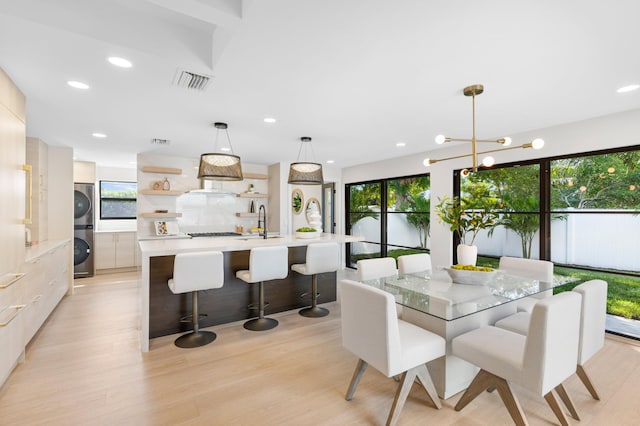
(154, 215)
(163, 170)
(252, 195)
(255, 176)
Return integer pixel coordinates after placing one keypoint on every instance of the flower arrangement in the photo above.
(465, 219)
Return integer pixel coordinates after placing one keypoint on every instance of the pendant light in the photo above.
(219, 165)
(305, 172)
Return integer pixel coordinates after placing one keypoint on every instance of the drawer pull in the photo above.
(16, 309)
(7, 279)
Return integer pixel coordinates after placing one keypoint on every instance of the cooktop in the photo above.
(214, 234)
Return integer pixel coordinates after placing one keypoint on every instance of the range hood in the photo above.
(212, 187)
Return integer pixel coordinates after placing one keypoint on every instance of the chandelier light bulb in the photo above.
(507, 141)
(440, 139)
(427, 162)
(488, 161)
(537, 143)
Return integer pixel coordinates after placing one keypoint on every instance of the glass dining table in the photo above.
(436, 303)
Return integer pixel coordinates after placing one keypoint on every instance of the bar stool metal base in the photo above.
(194, 340)
(261, 324)
(314, 312)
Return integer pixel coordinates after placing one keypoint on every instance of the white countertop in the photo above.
(35, 251)
(166, 247)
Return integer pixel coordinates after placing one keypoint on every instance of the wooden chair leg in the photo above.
(555, 407)
(406, 381)
(482, 381)
(564, 396)
(582, 374)
(357, 375)
(427, 384)
(510, 401)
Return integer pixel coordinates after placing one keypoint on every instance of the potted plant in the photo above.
(466, 219)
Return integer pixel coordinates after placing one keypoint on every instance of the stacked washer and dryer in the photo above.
(83, 230)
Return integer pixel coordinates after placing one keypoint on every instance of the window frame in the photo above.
(115, 199)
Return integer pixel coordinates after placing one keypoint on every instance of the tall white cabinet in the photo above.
(33, 280)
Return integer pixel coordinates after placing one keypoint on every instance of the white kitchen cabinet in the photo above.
(37, 157)
(45, 283)
(26, 303)
(115, 250)
(13, 206)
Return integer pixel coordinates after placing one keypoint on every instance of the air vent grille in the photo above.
(163, 142)
(192, 80)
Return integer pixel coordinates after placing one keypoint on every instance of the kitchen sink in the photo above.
(259, 237)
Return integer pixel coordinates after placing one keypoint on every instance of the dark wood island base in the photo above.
(229, 303)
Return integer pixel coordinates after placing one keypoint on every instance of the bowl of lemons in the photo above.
(307, 232)
(471, 275)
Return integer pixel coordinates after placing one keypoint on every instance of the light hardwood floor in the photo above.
(85, 368)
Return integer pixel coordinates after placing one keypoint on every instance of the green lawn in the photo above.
(623, 298)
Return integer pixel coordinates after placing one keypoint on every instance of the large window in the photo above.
(118, 200)
(391, 214)
(582, 212)
(514, 193)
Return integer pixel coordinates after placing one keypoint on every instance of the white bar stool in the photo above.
(321, 257)
(189, 276)
(265, 263)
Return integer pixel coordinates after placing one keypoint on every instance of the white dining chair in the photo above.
(376, 268)
(412, 263)
(373, 333)
(379, 267)
(538, 362)
(541, 270)
(592, 324)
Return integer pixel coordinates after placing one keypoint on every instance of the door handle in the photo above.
(27, 168)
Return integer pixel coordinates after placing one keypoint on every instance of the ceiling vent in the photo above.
(192, 80)
(161, 142)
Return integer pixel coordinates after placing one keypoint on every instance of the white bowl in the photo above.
(461, 276)
(303, 235)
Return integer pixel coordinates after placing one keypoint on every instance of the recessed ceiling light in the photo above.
(78, 84)
(120, 62)
(330, 161)
(629, 88)
(401, 144)
(99, 135)
(225, 149)
(269, 120)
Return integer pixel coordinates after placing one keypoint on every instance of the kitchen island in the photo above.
(160, 309)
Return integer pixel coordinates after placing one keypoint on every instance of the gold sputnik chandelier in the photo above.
(487, 161)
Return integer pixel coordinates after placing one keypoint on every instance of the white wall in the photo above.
(616, 130)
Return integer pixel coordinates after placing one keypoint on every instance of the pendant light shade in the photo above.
(218, 165)
(304, 172)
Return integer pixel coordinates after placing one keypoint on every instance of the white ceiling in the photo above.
(357, 76)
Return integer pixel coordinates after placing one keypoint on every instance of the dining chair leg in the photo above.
(582, 374)
(482, 381)
(427, 384)
(357, 375)
(406, 381)
(510, 401)
(555, 407)
(564, 396)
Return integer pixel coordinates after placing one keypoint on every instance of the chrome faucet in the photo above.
(262, 209)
